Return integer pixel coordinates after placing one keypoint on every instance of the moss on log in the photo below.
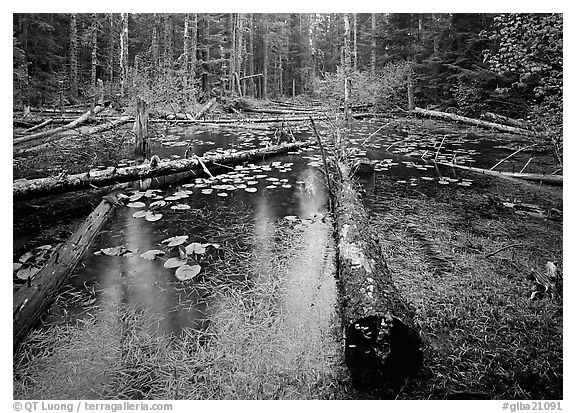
(379, 326)
(24, 189)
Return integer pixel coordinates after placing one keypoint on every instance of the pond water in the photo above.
(242, 200)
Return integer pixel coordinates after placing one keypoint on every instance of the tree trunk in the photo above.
(25, 189)
(108, 125)
(347, 65)
(32, 301)
(123, 53)
(355, 41)
(186, 47)
(193, 47)
(373, 50)
(94, 62)
(265, 58)
(168, 50)
(380, 340)
(111, 55)
(410, 90)
(503, 120)
(470, 121)
(73, 56)
(251, 88)
(141, 127)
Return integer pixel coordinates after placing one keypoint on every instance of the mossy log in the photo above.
(539, 178)
(380, 335)
(471, 121)
(32, 300)
(24, 189)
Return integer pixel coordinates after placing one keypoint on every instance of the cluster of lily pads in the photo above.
(187, 267)
(32, 261)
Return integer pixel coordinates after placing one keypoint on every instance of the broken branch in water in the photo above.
(512, 154)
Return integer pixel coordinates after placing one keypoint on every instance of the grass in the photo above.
(483, 336)
(255, 346)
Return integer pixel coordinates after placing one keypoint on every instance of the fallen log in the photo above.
(205, 108)
(471, 121)
(45, 134)
(545, 179)
(380, 337)
(243, 120)
(24, 189)
(39, 126)
(504, 120)
(109, 125)
(279, 111)
(32, 300)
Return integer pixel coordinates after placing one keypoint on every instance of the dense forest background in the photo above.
(509, 64)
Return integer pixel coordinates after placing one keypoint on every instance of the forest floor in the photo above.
(279, 337)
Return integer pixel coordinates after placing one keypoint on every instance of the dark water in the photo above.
(243, 200)
(246, 198)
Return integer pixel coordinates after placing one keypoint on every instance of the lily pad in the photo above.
(187, 272)
(137, 204)
(16, 266)
(251, 189)
(152, 217)
(26, 257)
(139, 214)
(157, 204)
(115, 251)
(174, 262)
(174, 241)
(180, 207)
(222, 194)
(195, 248)
(136, 196)
(152, 254)
(25, 272)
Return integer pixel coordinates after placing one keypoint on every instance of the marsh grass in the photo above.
(483, 335)
(252, 348)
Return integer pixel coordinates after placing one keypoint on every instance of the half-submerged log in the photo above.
(109, 125)
(32, 300)
(23, 189)
(45, 134)
(545, 179)
(381, 340)
(471, 121)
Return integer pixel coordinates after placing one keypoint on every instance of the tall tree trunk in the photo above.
(251, 89)
(123, 53)
(206, 80)
(239, 48)
(94, 60)
(232, 59)
(168, 49)
(111, 53)
(73, 56)
(355, 41)
(373, 55)
(155, 46)
(347, 64)
(265, 58)
(186, 46)
(193, 46)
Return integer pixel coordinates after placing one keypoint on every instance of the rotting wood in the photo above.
(23, 189)
(471, 121)
(547, 179)
(380, 337)
(46, 134)
(31, 301)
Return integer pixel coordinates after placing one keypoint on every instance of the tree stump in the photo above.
(141, 128)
